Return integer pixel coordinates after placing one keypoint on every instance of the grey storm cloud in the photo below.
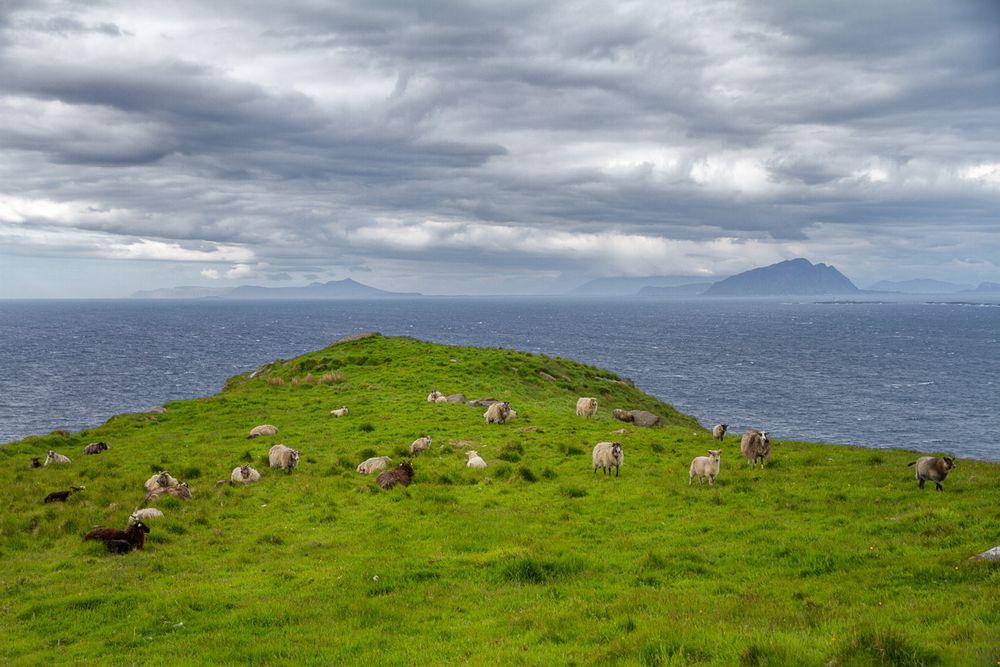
(436, 138)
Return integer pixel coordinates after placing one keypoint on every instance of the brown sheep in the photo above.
(933, 468)
(755, 445)
(135, 535)
(402, 475)
(719, 431)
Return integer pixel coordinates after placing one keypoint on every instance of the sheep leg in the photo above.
(938, 486)
(921, 482)
(711, 480)
(616, 471)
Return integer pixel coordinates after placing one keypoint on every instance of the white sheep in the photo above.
(705, 466)
(755, 445)
(421, 444)
(586, 407)
(244, 474)
(144, 514)
(263, 429)
(719, 431)
(161, 480)
(934, 469)
(475, 461)
(280, 456)
(498, 413)
(374, 464)
(339, 412)
(180, 491)
(608, 455)
(435, 396)
(53, 457)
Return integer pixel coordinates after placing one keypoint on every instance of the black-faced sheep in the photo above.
(719, 431)
(934, 469)
(263, 429)
(339, 412)
(608, 455)
(244, 474)
(755, 445)
(135, 534)
(421, 444)
(498, 413)
(53, 457)
(586, 407)
(705, 466)
(181, 491)
(280, 456)
(96, 448)
(61, 496)
(475, 461)
(161, 480)
(434, 397)
(401, 475)
(374, 464)
(36, 462)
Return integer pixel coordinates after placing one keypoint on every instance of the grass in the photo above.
(831, 556)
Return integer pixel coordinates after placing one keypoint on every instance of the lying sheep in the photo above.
(475, 461)
(244, 474)
(263, 429)
(434, 396)
(402, 475)
(933, 468)
(622, 415)
(421, 444)
(162, 479)
(134, 535)
(181, 491)
(96, 448)
(755, 445)
(53, 457)
(283, 457)
(375, 463)
(36, 462)
(705, 466)
(498, 413)
(586, 407)
(719, 431)
(608, 455)
(145, 514)
(339, 412)
(61, 496)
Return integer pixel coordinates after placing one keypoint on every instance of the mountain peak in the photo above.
(792, 277)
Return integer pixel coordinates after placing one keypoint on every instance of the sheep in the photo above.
(421, 444)
(263, 429)
(374, 464)
(719, 431)
(475, 461)
(402, 474)
(755, 445)
(244, 474)
(134, 535)
(118, 546)
(586, 407)
(498, 413)
(339, 412)
(144, 514)
(96, 448)
(933, 468)
(608, 455)
(705, 466)
(61, 496)
(181, 491)
(280, 456)
(53, 457)
(622, 415)
(36, 462)
(162, 479)
(434, 396)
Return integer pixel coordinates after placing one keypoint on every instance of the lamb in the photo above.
(162, 479)
(475, 461)
(705, 466)
(421, 444)
(934, 469)
(180, 491)
(244, 474)
(134, 535)
(719, 431)
(586, 407)
(374, 464)
(608, 455)
(755, 445)
(498, 413)
(339, 412)
(96, 448)
(53, 457)
(36, 462)
(280, 456)
(263, 429)
(402, 474)
(145, 514)
(61, 496)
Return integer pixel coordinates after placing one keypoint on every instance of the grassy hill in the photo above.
(831, 555)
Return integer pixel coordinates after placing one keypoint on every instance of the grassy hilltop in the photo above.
(830, 556)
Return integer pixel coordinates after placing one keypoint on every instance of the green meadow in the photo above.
(830, 555)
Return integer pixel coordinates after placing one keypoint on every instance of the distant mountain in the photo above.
(334, 289)
(988, 288)
(795, 277)
(690, 289)
(627, 286)
(919, 286)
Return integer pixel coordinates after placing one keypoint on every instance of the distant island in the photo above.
(794, 277)
(334, 289)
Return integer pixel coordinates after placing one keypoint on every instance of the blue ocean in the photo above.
(920, 375)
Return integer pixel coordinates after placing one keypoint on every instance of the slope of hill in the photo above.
(816, 559)
(794, 277)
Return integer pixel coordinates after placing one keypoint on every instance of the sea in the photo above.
(919, 374)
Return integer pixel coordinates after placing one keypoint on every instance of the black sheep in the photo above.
(61, 496)
(402, 474)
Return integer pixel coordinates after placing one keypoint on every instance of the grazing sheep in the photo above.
(586, 407)
(705, 466)
(53, 457)
(61, 496)
(244, 474)
(339, 412)
(36, 462)
(162, 479)
(622, 415)
(421, 444)
(755, 445)
(375, 463)
(719, 431)
(145, 514)
(475, 461)
(402, 474)
(96, 448)
(181, 491)
(434, 396)
(498, 413)
(134, 535)
(263, 429)
(280, 456)
(608, 455)
(933, 468)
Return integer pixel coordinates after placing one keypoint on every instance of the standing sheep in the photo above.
(421, 444)
(339, 412)
(705, 466)
(244, 474)
(53, 457)
(475, 461)
(96, 448)
(719, 431)
(608, 455)
(498, 413)
(280, 456)
(402, 475)
(586, 407)
(755, 445)
(263, 429)
(374, 464)
(933, 468)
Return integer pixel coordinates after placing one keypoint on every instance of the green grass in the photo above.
(830, 556)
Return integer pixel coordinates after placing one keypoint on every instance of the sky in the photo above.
(500, 147)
